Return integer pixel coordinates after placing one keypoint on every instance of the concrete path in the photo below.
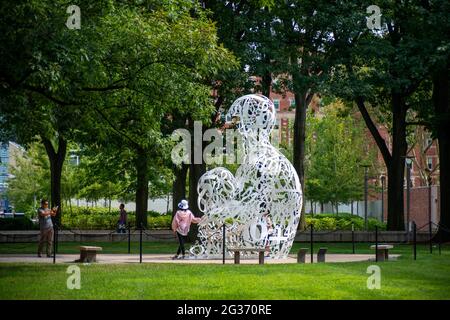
(166, 258)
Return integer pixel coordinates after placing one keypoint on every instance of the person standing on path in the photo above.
(122, 219)
(180, 226)
(46, 227)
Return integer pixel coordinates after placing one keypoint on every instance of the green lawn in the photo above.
(426, 278)
(108, 247)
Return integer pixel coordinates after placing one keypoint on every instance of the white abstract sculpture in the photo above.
(265, 185)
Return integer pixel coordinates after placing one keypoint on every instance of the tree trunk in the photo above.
(179, 186)
(266, 84)
(56, 159)
(298, 156)
(141, 187)
(442, 115)
(168, 201)
(395, 161)
(195, 172)
(396, 168)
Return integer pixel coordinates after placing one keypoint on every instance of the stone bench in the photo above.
(321, 254)
(301, 255)
(88, 254)
(382, 251)
(237, 253)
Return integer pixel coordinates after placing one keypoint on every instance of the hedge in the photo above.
(89, 218)
(342, 221)
(17, 224)
(84, 218)
(101, 218)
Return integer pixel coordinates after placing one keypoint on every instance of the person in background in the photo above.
(180, 226)
(122, 225)
(269, 225)
(46, 227)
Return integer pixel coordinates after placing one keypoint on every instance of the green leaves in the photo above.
(30, 179)
(335, 149)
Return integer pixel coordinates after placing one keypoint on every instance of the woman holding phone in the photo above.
(46, 227)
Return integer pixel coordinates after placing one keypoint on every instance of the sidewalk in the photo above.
(166, 258)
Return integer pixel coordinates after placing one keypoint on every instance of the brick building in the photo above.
(423, 151)
(9, 152)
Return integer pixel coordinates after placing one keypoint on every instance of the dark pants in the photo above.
(181, 240)
(46, 238)
(121, 228)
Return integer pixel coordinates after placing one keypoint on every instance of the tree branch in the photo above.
(381, 143)
(48, 147)
(112, 87)
(117, 131)
(418, 123)
(47, 95)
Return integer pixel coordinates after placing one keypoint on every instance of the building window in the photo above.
(292, 102)
(430, 163)
(276, 103)
(74, 160)
(428, 142)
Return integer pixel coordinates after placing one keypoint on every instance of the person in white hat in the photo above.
(180, 226)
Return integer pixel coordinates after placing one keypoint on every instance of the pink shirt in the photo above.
(182, 221)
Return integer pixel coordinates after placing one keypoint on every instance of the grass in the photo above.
(108, 247)
(426, 278)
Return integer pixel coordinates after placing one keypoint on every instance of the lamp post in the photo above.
(430, 182)
(366, 189)
(408, 185)
(383, 181)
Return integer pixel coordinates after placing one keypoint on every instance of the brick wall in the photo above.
(419, 211)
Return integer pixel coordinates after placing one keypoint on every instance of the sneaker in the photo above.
(175, 257)
(39, 255)
(182, 257)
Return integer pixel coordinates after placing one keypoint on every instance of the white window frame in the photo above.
(291, 102)
(275, 102)
(430, 163)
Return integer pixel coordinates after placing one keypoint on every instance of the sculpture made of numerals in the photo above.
(261, 204)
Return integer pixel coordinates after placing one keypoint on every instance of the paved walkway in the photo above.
(166, 258)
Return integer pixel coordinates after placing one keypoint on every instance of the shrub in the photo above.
(101, 218)
(161, 222)
(343, 221)
(371, 223)
(84, 218)
(17, 224)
